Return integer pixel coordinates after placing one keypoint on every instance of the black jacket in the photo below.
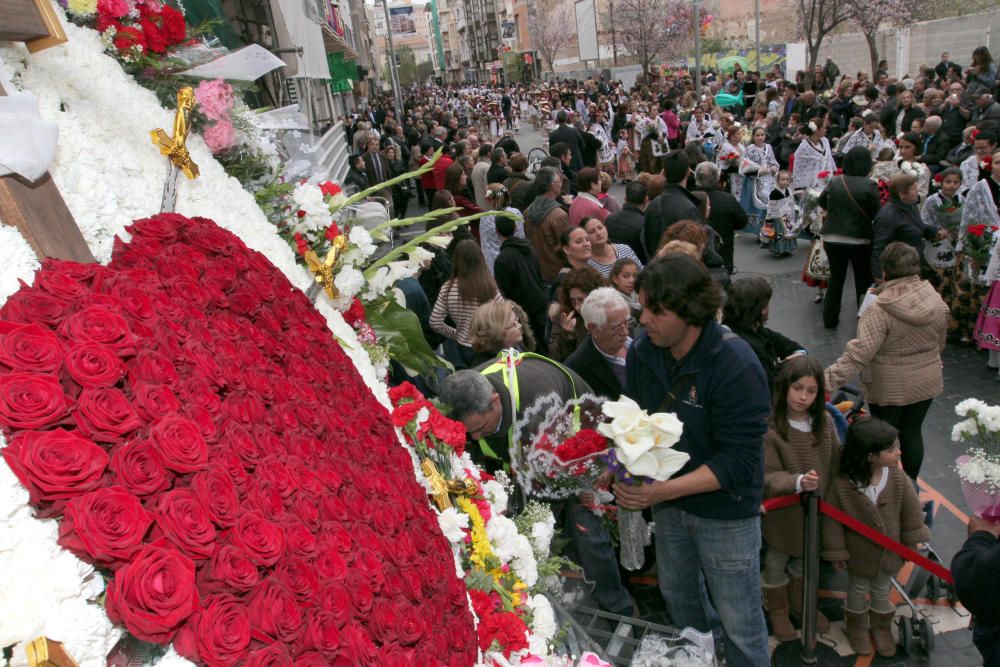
(897, 221)
(518, 187)
(769, 346)
(497, 173)
(596, 370)
(519, 275)
(844, 217)
(625, 226)
(673, 204)
(725, 216)
(591, 145)
(976, 568)
(889, 115)
(936, 150)
(569, 135)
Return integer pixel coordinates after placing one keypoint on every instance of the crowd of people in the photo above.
(897, 177)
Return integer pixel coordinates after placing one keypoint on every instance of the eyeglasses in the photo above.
(624, 325)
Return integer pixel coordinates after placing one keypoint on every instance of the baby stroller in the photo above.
(915, 630)
(535, 157)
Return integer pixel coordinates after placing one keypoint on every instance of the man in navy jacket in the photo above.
(707, 515)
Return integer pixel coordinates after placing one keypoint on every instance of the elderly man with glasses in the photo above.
(600, 359)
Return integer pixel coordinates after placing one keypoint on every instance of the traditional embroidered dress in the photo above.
(981, 208)
(858, 138)
(606, 154)
(782, 218)
(810, 160)
(626, 163)
(972, 171)
(757, 168)
(957, 285)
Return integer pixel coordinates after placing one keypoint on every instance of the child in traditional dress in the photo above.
(982, 208)
(801, 453)
(626, 164)
(779, 234)
(873, 489)
(515, 120)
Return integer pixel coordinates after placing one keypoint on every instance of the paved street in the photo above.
(794, 314)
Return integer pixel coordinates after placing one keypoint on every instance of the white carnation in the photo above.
(309, 199)
(969, 405)
(359, 236)
(453, 524)
(541, 535)
(349, 282)
(171, 659)
(18, 260)
(496, 495)
(543, 621)
(963, 429)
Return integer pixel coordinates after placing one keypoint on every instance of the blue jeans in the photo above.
(598, 559)
(692, 552)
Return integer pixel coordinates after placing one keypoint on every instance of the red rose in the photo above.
(55, 465)
(311, 659)
(275, 655)
(217, 635)
(154, 594)
(29, 305)
(59, 284)
(215, 490)
(105, 527)
(274, 612)
(300, 540)
(262, 540)
(105, 415)
(137, 468)
(409, 624)
(298, 577)
(93, 365)
(383, 620)
(336, 599)
(323, 633)
(30, 348)
(153, 401)
(180, 444)
(30, 401)
(151, 366)
(229, 569)
(357, 644)
(185, 523)
(99, 325)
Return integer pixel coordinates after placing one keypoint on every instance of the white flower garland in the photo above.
(109, 174)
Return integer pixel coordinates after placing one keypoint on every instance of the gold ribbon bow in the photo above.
(325, 271)
(442, 488)
(174, 147)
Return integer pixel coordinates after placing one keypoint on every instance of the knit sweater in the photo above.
(451, 304)
(898, 346)
(784, 461)
(897, 516)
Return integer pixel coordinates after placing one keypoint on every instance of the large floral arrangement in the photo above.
(979, 468)
(178, 409)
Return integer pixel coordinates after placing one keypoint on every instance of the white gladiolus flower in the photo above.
(360, 237)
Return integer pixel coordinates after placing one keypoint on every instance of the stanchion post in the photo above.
(810, 550)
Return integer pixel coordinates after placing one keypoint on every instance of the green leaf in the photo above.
(401, 329)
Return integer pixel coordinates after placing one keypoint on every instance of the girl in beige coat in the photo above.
(872, 489)
(801, 453)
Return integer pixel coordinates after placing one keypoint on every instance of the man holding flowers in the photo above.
(707, 516)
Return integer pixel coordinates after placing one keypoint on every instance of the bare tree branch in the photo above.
(552, 26)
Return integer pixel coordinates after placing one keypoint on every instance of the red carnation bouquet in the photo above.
(133, 29)
(557, 451)
(978, 243)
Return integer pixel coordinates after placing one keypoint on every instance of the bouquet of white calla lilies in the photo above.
(643, 442)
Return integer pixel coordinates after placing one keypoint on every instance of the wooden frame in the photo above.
(45, 652)
(34, 22)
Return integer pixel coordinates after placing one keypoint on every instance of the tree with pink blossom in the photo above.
(869, 16)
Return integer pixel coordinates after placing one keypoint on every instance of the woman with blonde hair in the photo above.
(499, 325)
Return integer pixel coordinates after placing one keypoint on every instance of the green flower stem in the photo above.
(406, 222)
(449, 226)
(375, 189)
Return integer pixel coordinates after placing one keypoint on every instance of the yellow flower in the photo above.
(82, 7)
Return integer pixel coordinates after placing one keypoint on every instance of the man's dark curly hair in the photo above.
(681, 284)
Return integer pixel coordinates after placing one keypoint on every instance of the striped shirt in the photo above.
(450, 304)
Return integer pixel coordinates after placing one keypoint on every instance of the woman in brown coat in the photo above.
(872, 489)
(801, 453)
(898, 351)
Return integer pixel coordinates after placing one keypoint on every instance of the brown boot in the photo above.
(857, 631)
(796, 588)
(776, 602)
(885, 645)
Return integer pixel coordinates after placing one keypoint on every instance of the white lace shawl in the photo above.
(970, 172)
(981, 209)
(809, 162)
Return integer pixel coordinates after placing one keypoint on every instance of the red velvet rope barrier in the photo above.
(781, 502)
